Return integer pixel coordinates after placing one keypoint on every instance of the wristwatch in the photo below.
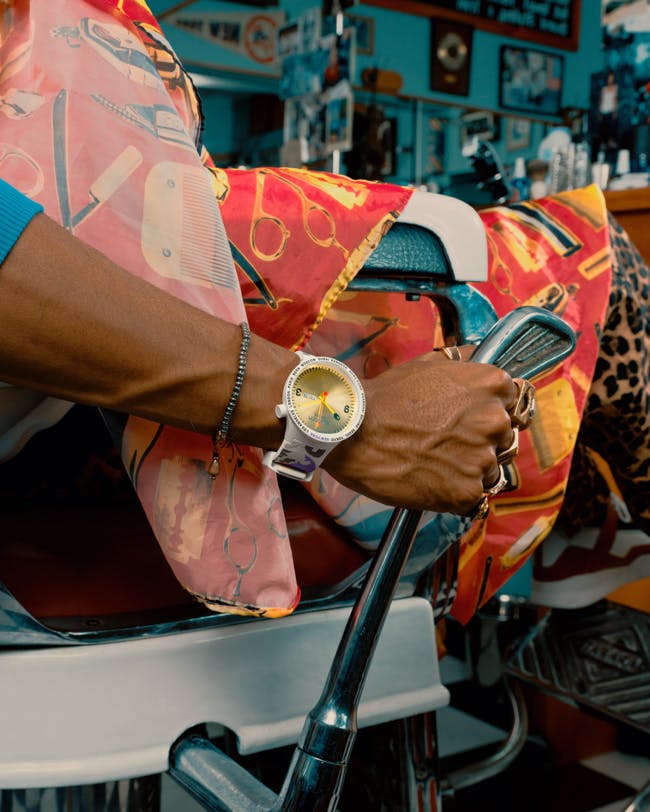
(323, 403)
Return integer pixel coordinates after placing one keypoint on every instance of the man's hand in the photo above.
(431, 435)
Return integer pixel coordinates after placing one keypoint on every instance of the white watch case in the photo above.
(317, 420)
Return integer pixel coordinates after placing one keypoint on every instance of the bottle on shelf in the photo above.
(520, 181)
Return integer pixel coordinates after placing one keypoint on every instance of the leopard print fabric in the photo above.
(616, 421)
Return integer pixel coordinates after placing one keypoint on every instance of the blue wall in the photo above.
(402, 44)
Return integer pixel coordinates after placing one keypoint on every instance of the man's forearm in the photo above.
(76, 326)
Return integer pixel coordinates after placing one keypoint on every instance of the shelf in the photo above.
(628, 200)
(631, 207)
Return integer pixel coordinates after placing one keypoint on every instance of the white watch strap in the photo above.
(298, 456)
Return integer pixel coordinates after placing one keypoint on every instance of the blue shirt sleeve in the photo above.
(16, 211)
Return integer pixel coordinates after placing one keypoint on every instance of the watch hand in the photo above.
(320, 413)
(327, 406)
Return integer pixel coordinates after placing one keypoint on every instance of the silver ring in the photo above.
(499, 485)
(513, 449)
(481, 510)
(453, 353)
(524, 408)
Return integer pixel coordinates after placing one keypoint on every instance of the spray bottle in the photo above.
(520, 182)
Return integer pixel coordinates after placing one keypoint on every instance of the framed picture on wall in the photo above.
(304, 130)
(517, 133)
(613, 102)
(451, 56)
(434, 145)
(365, 28)
(288, 39)
(530, 80)
(310, 29)
(338, 121)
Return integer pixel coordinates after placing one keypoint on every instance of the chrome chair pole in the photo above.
(317, 771)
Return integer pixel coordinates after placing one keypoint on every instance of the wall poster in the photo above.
(530, 80)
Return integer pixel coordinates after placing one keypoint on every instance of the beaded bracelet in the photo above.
(222, 433)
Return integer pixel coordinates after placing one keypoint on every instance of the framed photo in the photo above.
(451, 56)
(302, 74)
(288, 39)
(365, 28)
(517, 133)
(530, 81)
(339, 57)
(338, 121)
(310, 29)
(435, 145)
(304, 130)
(613, 101)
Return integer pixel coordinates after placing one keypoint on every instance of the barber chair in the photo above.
(110, 672)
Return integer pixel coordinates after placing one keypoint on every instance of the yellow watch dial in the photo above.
(323, 400)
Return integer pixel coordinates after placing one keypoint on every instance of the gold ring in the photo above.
(481, 510)
(513, 449)
(453, 353)
(499, 485)
(524, 408)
